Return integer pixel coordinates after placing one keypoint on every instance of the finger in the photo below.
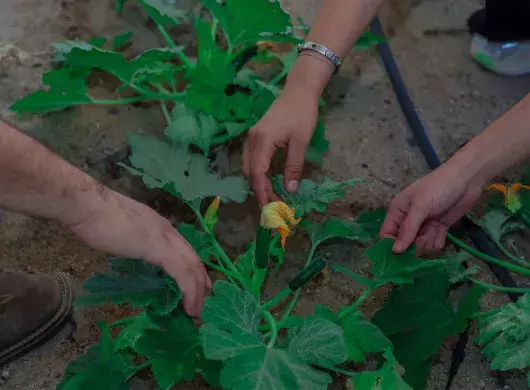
(397, 211)
(200, 280)
(439, 243)
(294, 164)
(273, 197)
(185, 278)
(410, 227)
(260, 156)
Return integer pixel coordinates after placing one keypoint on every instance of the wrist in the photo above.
(310, 75)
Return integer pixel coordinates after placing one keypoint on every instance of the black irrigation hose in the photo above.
(477, 236)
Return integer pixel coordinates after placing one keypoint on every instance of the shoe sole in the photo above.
(48, 330)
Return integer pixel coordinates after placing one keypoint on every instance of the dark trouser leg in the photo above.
(502, 20)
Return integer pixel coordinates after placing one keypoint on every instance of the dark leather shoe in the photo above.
(33, 308)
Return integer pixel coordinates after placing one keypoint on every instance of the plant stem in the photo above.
(277, 299)
(521, 290)
(292, 304)
(274, 329)
(525, 218)
(279, 77)
(484, 314)
(512, 257)
(224, 271)
(257, 282)
(180, 54)
(487, 258)
(337, 370)
(167, 117)
(353, 307)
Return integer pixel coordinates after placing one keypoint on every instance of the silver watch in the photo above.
(321, 49)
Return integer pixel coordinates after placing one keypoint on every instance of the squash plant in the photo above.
(206, 100)
(244, 340)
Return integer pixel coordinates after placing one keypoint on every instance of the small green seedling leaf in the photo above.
(191, 127)
(334, 228)
(251, 21)
(396, 268)
(102, 368)
(135, 282)
(505, 336)
(312, 196)
(386, 378)
(180, 172)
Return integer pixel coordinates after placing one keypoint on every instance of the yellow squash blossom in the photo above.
(277, 215)
(511, 200)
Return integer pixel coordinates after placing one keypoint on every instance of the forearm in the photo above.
(37, 182)
(503, 144)
(338, 25)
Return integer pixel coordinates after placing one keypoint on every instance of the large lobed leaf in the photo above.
(334, 228)
(231, 335)
(312, 196)
(250, 21)
(386, 378)
(134, 282)
(183, 174)
(505, 336)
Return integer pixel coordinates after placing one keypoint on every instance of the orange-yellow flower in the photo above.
(511, 200)
(277, 215)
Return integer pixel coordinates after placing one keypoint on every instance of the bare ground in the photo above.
(369, 139)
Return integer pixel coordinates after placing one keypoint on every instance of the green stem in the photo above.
(224, 271)
(180, 54)
(279, 77)
(353, 307)
(520, 290)
(525, 218)
(222, 254)
(274, 329)
(511, 256)
(277, 299)
(167, 117)
(292, 303)
(257, 281)
(123, 322)
(337, 370)
(488, 258)
(484, 314)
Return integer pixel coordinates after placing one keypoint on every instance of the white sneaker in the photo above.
(503, 58)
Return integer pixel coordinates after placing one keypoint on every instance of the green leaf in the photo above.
(396, 268)
(181, 173)
(173, 349)
(250, 21)
(505, 336)
(60, 49)
(191, 127)
(67, 87)
(133, 331)
(213, 73)
(312, 196)
(368, 40)
(245, 262)
(386, 378)
(498, 223)
(371, 221)
(118, 4)
(362, 337)
(318, 145)
(102, 368)
(417, 317)
(200, 241)
(134, 282)
(164, 13)
(121, 40)
(334, 228)
(232, 310)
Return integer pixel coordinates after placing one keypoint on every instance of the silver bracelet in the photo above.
(319, 58)
(321, 49)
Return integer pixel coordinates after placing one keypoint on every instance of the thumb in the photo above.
(410, 227)
(294, 164)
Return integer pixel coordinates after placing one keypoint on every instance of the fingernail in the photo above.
(398, 248)
(292, 186)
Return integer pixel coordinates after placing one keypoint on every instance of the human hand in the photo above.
(126, 228)
(288, 124)
(425, 210)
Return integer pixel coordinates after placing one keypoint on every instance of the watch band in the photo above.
(321, 49)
